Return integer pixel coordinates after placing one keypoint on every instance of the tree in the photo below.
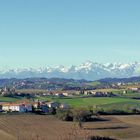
(79, 115)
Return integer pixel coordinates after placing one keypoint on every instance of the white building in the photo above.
(29, 107)
(64, 106)
(53, 104)
(17, 107)
(66, 94)
(134, 89)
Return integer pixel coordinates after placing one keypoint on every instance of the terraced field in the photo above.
(35, 127)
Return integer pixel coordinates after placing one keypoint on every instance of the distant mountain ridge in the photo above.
(63, 84)
(88, 71)
(120, 80)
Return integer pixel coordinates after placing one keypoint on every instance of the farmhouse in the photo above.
(125, 92)
(53, 104)
(64, 106)
(98, 94)
(42, 106)
(29, 107)
(17, 107)
(59, 94)
(134, 89)
(66, 94)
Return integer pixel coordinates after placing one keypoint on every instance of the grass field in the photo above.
(107, 103)
(8, 99)
(131, 95)
(34, 127)
(95, 101)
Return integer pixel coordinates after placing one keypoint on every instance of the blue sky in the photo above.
(36, 33)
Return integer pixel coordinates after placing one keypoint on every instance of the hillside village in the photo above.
(11, 92)
(32, 107)
(34, 104)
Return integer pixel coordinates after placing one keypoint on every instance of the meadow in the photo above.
(8, 99)
(95, 101)
(123, 102)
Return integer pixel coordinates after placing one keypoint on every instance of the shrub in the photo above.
(65, 115)
(81, 115)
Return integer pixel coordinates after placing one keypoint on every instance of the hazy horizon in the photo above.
(49, 33)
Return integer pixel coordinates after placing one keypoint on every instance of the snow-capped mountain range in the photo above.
(88, 71)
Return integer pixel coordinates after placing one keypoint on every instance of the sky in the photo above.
(39, 33)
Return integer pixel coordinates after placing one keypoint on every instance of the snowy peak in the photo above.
(88, 70)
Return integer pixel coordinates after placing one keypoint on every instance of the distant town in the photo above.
(41, 94)
(76, 105)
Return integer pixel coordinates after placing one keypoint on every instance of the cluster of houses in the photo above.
(69, 93)
(16, 107)
(83, 92)
(6, 91)
(134, 89)
(99, 94)
(43, 106)
(57, 94)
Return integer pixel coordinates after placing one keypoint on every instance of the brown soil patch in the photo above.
(35, 127)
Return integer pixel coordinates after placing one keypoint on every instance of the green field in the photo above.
(8, 99)
(96, 101)
(107, 103)
(131, 95)
(85, 102)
